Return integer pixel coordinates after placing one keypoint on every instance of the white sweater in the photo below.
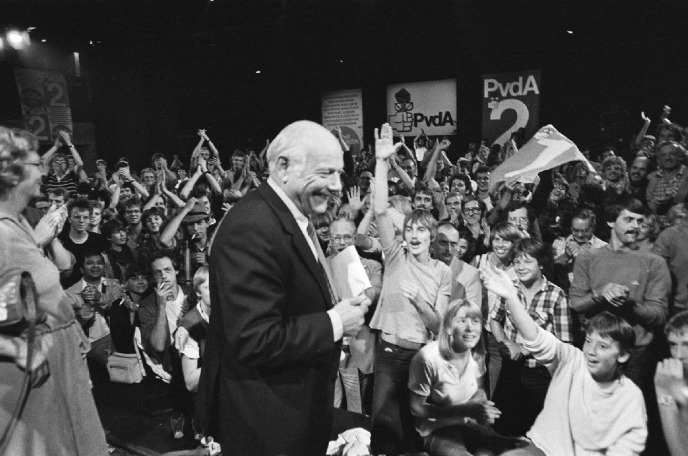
(579, 417)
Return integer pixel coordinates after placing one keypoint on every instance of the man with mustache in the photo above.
(624, 281)
(276, 326)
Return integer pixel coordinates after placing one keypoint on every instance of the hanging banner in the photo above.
(344, 109)
(429, 105)
(44, 101)
(510, 101)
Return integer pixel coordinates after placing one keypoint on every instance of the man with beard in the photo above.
(637, 178)
(624, 281)
(465, 278)
(276, 325)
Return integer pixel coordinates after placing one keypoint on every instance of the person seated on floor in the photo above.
(445, 381)
(160, 314)
(195, 325)
(591, 407)
(91, 299)
(671, 385)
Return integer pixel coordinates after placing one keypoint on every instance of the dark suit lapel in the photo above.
(300, 243)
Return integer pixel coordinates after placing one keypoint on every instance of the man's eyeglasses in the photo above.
(338, 238)
(472, 210)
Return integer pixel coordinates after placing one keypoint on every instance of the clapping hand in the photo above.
(202, 133)
(644, 117)
(669, 380)
(64, 136)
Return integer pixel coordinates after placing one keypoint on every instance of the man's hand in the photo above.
(644, 117)
(46, 229)
(355, 198)
(384, 148)
(483, 412)
(669, 380)
(351, 312)
(444, 144)
(202, 134)
(189, 204)
(410, 291)
(181, 337)
(64, 136)
(615, 294)
(572, 248)
(202, 165)
(163, 290)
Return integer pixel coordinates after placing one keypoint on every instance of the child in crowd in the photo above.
(591, 407)
(671, 385)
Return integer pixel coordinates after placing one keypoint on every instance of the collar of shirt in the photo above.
(301, 220)
(203, 314)
(682, 168)
(99, 287)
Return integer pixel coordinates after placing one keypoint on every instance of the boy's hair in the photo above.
(111, 226)
(539, 250)
(424, 218)
(137, 269)
(81, 204)
(506, 231)
(614, 327)
(88, 254)
(59, 191)
(678, 324)
(131, 202)
(200, 277)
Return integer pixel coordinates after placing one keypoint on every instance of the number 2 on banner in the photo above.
(57, 94)
(522, 116)
(37, 126)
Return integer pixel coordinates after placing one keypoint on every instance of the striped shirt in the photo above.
(69, 182)
(549, 309)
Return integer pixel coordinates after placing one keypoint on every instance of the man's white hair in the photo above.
(294, 140)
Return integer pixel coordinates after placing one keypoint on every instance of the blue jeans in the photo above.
(393, 431)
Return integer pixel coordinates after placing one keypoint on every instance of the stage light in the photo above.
(43, 40)
(257, 71)
(570, 32)
(17, 39)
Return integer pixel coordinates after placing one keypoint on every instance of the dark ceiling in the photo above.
(197, 59)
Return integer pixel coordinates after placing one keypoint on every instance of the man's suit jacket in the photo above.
(267, 383)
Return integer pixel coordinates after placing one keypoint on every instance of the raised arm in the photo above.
(78, 162)
(643, 130)
(186, 191)
(45, 159)
(167, 236)
(383, 151)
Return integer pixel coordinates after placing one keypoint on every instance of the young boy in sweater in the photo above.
(671, 385)
(591, 408)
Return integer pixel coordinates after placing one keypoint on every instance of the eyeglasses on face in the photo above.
(472, 210)
(345, 237)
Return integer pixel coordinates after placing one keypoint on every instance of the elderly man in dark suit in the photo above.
(267, 383)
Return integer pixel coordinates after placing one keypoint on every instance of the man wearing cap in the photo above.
(267, 382)
(195, 217)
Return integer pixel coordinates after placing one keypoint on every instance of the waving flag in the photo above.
(547, 149)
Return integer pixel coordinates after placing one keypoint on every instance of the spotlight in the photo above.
(17, 39)
(257, 71)
(570, 32)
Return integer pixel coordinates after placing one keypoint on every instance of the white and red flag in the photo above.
(547, 149)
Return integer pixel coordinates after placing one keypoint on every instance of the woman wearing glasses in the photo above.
(60, 416)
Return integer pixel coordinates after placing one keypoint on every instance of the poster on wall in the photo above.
(510, 101)
(44, 102)
(430, 106)
(344, 109)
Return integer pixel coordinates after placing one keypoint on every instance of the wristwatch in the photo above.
(666, 400)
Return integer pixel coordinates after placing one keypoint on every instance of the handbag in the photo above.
(124, 368)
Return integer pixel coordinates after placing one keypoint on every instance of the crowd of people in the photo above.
(524, 319)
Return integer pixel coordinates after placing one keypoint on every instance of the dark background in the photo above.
(158, 70)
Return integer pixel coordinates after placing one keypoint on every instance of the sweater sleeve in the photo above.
(652, 312)
(550, 351)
